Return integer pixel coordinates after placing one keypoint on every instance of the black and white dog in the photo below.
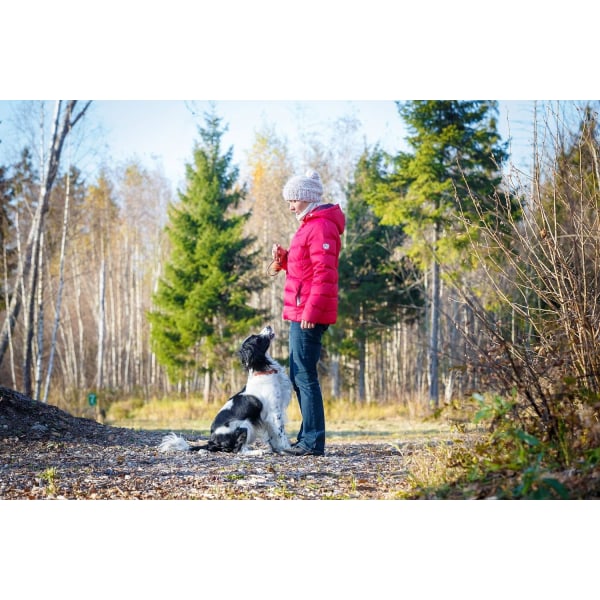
(257, 413)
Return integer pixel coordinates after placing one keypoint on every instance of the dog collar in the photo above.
(270, 372)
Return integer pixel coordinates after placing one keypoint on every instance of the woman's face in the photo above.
(297, 206)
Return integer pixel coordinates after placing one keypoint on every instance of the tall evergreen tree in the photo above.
(456, 155)
(202, 298)
(379, 286)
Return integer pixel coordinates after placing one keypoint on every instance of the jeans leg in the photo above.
(305, 351)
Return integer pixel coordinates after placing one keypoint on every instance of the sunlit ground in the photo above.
(344, 420)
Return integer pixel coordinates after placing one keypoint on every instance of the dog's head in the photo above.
(228, 441)
(254, 349)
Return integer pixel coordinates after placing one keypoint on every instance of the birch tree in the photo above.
(144, 196)
(270, 221)
(66, 116)
(60, 287)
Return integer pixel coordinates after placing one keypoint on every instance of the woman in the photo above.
(310, 298)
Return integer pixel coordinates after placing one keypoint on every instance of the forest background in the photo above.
(102, 337)
(553, 74)
(106, 300)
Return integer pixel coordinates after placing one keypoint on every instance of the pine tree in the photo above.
(202, 298)
(378, 287)
(456, 156)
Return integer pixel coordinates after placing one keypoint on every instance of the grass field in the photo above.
(350, 421)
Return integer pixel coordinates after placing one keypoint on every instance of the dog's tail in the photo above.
(175, 443)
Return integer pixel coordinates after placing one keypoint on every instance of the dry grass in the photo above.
(424, 443)
(345, 420)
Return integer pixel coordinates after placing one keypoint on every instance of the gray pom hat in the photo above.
(307, 188)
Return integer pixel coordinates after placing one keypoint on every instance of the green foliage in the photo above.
(202, 299)
(536, 347)
(511, 448)
(18, 198)
(495, 409)
(49, 477)
(457, 156)
(509, 461)
(6, 197)
(378, 285)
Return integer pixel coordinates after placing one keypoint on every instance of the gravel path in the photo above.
(47, 453)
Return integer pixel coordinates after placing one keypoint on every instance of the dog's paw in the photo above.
(280, 449)
(279, 446)
(255, 452)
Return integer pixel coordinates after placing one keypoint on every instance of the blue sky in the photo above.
(162, 132)
(169, 128)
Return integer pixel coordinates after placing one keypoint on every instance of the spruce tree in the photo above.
(202, 298)
(378, 288)
(456, 156)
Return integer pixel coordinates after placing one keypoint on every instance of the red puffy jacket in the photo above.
(311, 265)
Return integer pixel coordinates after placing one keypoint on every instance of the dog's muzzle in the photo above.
(268, 332)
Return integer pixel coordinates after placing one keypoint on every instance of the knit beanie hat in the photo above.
(307, 188)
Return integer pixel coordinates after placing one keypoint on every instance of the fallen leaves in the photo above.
(46, 453)
(133, 468)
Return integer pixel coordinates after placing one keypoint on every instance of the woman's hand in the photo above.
(278, 253)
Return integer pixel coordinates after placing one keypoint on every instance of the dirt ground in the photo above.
(45, 453)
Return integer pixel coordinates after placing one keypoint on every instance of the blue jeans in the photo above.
(305, 350)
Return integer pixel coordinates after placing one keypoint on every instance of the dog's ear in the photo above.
(245, 354)
(213, 445)
(240, 436)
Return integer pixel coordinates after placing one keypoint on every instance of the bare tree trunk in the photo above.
(154, 373)
(70, 370)
(80, 362)
(29, 264)
(61, 281)
(40, 324)
(7, 302)
(361, 371)
(335, 375)
(101, 324)
(434, 330)
(368, 371)
(139, 374)
(37, 320)
(207, 385)
(113, 328)
(101, 327)
(29, 316)
(129, 300)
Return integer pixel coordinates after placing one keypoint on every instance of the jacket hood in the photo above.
(331, 212)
